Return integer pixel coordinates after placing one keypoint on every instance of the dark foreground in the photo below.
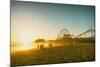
(65, 54)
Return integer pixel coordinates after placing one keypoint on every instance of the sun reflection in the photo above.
(22, 47)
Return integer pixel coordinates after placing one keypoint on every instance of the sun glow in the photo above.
(23, 42)
(22, 47)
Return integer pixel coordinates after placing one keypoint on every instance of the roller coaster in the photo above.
(64, 33)
(85, 37)
(91, 31)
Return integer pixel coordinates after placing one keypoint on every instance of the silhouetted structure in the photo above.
(85, 38)
(66, 39)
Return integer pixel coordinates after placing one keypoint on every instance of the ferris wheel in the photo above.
(64, 33)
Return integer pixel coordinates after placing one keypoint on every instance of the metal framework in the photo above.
(84, 33)
(64, 33)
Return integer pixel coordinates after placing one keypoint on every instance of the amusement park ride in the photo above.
(65, 38)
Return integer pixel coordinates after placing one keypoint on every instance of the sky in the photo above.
(33, 20)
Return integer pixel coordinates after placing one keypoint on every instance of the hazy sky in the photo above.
(42, 20)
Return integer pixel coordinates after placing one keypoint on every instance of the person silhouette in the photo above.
(50, 45)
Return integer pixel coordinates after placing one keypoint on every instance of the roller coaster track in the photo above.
(90, 30)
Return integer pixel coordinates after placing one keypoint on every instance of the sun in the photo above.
(22, 47)
(25, 40)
